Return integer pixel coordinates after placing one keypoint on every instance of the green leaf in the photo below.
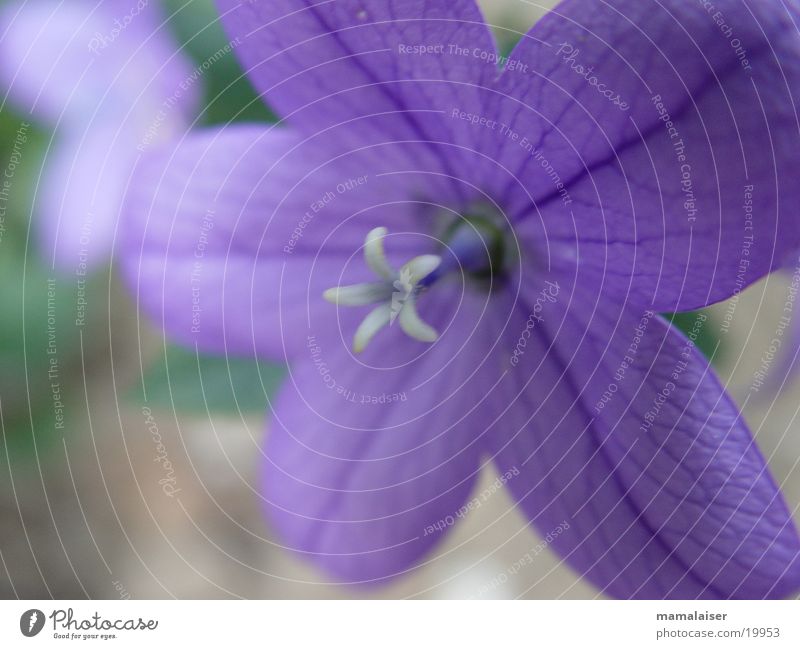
(185, 381)
(27, 434)
(39, 342)
(699, 326)
(40, 363)
(229, 96)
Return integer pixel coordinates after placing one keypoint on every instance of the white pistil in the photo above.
(396, 294)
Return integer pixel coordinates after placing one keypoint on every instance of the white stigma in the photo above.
(396, 294)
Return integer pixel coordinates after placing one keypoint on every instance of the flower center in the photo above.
(475, 245)
(395, 293)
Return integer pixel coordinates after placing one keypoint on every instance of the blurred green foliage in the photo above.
(41, 365)
(189, 382)
(180, 378)
(229, 95)
(708, 340)
(39, 351)
(27, 414)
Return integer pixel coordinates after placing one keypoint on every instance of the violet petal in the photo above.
(369, 460)
(66, 60)
(659, 186)
(362, 69)
(665, 496)
(232, 235)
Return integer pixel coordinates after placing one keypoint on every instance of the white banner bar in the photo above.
(400, 624)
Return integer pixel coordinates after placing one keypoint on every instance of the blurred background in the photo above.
(128, 466)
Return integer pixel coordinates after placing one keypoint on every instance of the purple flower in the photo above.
(530, 215)
(106, 76)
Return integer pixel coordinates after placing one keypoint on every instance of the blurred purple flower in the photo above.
(535, 217)
(106, 75)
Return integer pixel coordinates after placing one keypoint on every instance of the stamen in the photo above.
(397, 292)
(356, 295)
(375, 255)
(411, 323)
(377, 319)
